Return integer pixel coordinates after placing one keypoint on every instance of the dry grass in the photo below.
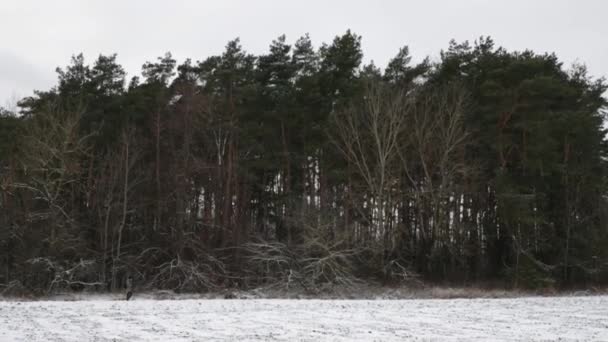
(358, 291)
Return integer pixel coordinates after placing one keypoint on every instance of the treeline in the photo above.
(305, 168)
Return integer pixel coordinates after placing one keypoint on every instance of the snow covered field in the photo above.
(525, 319)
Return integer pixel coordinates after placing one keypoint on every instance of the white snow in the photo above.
(523, 319)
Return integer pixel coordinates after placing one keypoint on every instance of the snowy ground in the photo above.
(525, 319)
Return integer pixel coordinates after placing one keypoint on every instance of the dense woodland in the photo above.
(305, 168)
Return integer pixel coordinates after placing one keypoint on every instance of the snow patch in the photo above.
(524, 319)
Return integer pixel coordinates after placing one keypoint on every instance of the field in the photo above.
(514, 319)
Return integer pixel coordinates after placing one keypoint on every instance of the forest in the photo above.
(306, 168)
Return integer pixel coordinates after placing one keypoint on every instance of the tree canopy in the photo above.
(303, 165)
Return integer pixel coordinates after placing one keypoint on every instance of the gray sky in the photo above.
(38, 36)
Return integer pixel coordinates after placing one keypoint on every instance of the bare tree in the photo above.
(433, 161)
(52, 154)
(369, 134)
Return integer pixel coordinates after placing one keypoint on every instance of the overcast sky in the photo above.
(38, 36)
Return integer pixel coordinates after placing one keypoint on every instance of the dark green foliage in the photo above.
(231, 171)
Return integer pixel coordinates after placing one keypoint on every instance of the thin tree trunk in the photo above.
(124, 209)
(158, 201)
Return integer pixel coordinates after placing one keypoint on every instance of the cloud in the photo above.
(20, 77)
(41, 35)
